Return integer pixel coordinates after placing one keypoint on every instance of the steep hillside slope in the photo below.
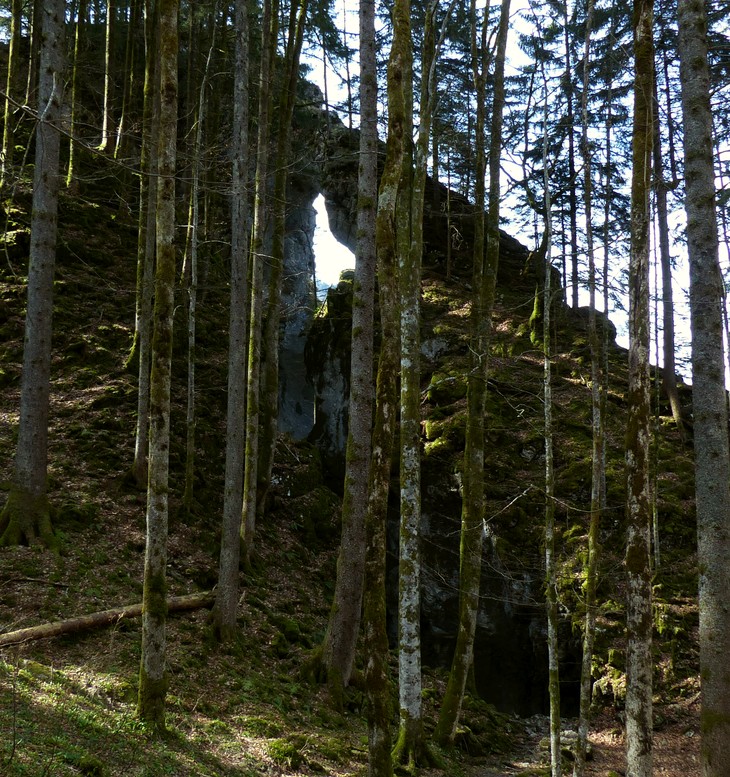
(67, 705)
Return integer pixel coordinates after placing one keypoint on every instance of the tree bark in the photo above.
(269, 393)
(26, 516)
(130, 78)
(712, 458)
(107, 122)
(72, 183)
(192, 273)
(146, 242)
(12, 88)
(99, 620)
(410, 747)
(485, 277)
(551, 582)
(380, 762)
(269, 32)
(597, 447)
(639, 514)
(153, 676)
(338, 648)
(36, 25)
(226, 604)
(669, 369)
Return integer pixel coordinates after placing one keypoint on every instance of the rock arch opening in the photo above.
(331, 257)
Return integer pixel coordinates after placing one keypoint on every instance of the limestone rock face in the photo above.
(328, 368)
(296, 396)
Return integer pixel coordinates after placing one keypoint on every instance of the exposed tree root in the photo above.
(26, 520)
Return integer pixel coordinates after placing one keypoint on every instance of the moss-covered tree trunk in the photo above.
(486, 261)
(26, 517)
(272, 318)
(386, 408)
(12, 88)
(338, 647)
(597, 449)
(269, 33)
(712, 459)
(146, 241)
(226, 602)
(153, 674)
(639, 514)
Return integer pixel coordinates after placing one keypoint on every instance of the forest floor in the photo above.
(67, 705)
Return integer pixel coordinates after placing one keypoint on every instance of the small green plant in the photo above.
(289, 751)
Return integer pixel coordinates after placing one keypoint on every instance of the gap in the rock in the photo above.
(330, 256)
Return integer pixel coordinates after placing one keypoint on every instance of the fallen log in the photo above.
(98, 620)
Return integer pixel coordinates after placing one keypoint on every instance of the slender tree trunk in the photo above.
(31, 92)
(107, 122)
(348, 80)
(146, 242)
(638, 560)
(597, 460)
(79, 44)
(153, 678)
(26, 515)
(669, 369)
(572, 176)
(269, 32)
(386, 400)
(551, 582)
(226, 603)
(338, 649)
(485, 278)
(712, 458)
(12, 88)
(472, 510)
(120, 143)
(411, 747)
(193, 241)
(269, 394)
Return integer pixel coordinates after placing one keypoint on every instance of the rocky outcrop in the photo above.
(328, 369)
(510, 653)
(298, 302)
